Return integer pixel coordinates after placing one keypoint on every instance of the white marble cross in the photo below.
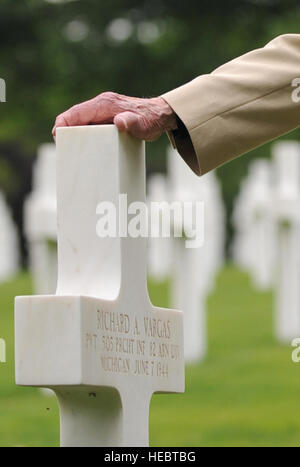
(194, 269)
(160, 248)
(254, 243)
(2, 351)
(99, 343)
(40, 221)
(2, 90)
(287, 214)
(9, 243)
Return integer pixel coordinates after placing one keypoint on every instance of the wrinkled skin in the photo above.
(145, 119)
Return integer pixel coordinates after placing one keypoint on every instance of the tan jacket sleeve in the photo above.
(241, 105)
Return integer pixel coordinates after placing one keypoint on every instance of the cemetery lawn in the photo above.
(246, 392)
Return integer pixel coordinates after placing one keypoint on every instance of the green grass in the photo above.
(245, 393)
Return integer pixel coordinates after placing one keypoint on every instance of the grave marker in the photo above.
(2, 351)
(40, 221)
(194, 269)
(99, 343)
(287, 214)
(160, 249)
(254, 243)
(9, 243)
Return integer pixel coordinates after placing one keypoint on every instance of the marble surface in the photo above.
(99, 343)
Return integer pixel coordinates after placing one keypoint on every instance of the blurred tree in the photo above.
(55, 53)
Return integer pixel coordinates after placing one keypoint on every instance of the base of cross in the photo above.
(102, 363)
(94, 417)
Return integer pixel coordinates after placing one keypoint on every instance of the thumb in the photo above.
(130, 122)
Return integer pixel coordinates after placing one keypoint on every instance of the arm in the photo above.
(241, 105)
(214, 118)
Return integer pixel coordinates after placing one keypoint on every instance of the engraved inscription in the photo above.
(133, 345)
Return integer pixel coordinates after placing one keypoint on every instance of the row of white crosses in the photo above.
(192, 270)
(9, 243)
(267, 242)
(99, 343)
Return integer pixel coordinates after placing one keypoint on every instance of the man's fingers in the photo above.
(134, 115)
(81, 114)
(101, 109)
(124, 121)
(132, 122)
(120, 123)
(60, 121)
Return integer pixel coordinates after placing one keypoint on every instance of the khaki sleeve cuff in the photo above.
(181, 141)
(181, 138)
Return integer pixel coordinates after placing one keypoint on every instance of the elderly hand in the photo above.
(143, 118)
